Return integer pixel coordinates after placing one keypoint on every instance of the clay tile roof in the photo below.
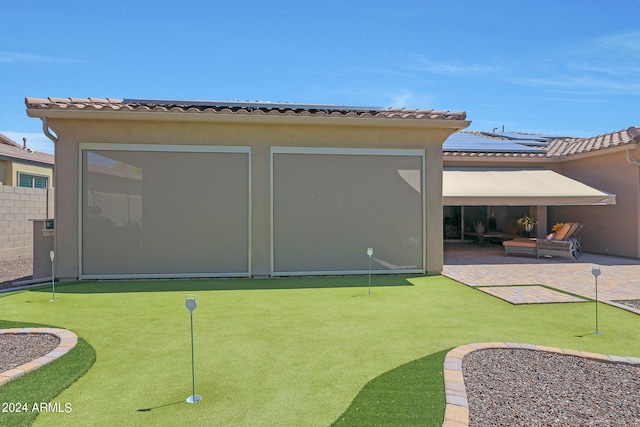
(572, 146)
(561, 147)
(236, 107)
(15, 152)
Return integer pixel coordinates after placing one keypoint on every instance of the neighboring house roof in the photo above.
(10, 150)
(5, 140)
(531, 146)
(236, 108)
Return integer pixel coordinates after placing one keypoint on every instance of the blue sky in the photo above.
(556, 67)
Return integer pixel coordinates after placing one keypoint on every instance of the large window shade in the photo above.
(329, 208)
(172, 213)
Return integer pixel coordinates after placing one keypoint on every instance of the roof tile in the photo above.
(229, 107)
(563, 147)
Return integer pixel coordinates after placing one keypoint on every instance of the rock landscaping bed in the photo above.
(15, 270)
(635, 303)
(18, 349)
(536, 388)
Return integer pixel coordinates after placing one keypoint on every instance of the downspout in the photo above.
(634, 132)
(52, 137)
(47, 132)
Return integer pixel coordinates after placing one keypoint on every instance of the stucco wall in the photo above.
(611, 229)
(260, 137)
(17, 207)
(9, 172)
(4, 165)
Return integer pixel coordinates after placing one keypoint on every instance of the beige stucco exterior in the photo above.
(260, 134)
(614, 229)
(609, 229)
(10, 169)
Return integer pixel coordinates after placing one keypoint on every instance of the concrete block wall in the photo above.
(17, 207)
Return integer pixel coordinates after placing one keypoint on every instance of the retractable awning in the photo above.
(517, 187)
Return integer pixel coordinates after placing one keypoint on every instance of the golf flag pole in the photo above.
(369, 253)
(53, 280)
(596, 272)
(191, 305)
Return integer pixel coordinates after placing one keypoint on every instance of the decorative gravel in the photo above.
(15, 270)
(508, 387)
(18, 349)
(635, 303)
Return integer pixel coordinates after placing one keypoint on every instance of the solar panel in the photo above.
(251, 104)
(524, 136)
(478, 144)
(530, 142)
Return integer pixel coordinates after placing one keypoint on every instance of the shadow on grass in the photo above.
(118, 286)
(159, 406)
(409, 395)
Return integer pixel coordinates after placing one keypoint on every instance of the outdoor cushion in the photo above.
(574, 228)
(563, 231)
(521, 243)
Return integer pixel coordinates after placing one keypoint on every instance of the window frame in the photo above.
(33, 177)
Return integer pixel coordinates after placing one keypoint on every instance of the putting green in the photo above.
(282, 351)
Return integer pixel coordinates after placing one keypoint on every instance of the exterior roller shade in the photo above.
(329, 208)
(517, 187)
(167, 212)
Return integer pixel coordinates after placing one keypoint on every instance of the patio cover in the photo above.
(517, 187)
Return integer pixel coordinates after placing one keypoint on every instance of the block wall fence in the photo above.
(17, 207)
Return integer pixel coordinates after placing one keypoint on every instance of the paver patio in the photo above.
(529, 294)
(476, 266)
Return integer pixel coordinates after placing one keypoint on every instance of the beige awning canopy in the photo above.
(517, 187)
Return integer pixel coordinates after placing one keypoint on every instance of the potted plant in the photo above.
(527, 223)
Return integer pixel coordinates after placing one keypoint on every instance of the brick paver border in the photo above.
(457, 407)
(68, 340)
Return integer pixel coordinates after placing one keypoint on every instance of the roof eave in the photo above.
(455, 124)
(27, 161)
(514, 157)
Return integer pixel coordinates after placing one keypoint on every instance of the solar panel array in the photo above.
(482, 142)
(251, 104)
(491, 142)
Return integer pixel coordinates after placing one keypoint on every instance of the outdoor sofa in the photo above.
(562, 244)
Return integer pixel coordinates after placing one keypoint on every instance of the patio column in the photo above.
(539, 213)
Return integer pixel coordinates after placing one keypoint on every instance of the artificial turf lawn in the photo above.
(291, 351)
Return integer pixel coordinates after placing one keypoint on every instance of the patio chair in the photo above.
(523, 246)
(564, 244)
